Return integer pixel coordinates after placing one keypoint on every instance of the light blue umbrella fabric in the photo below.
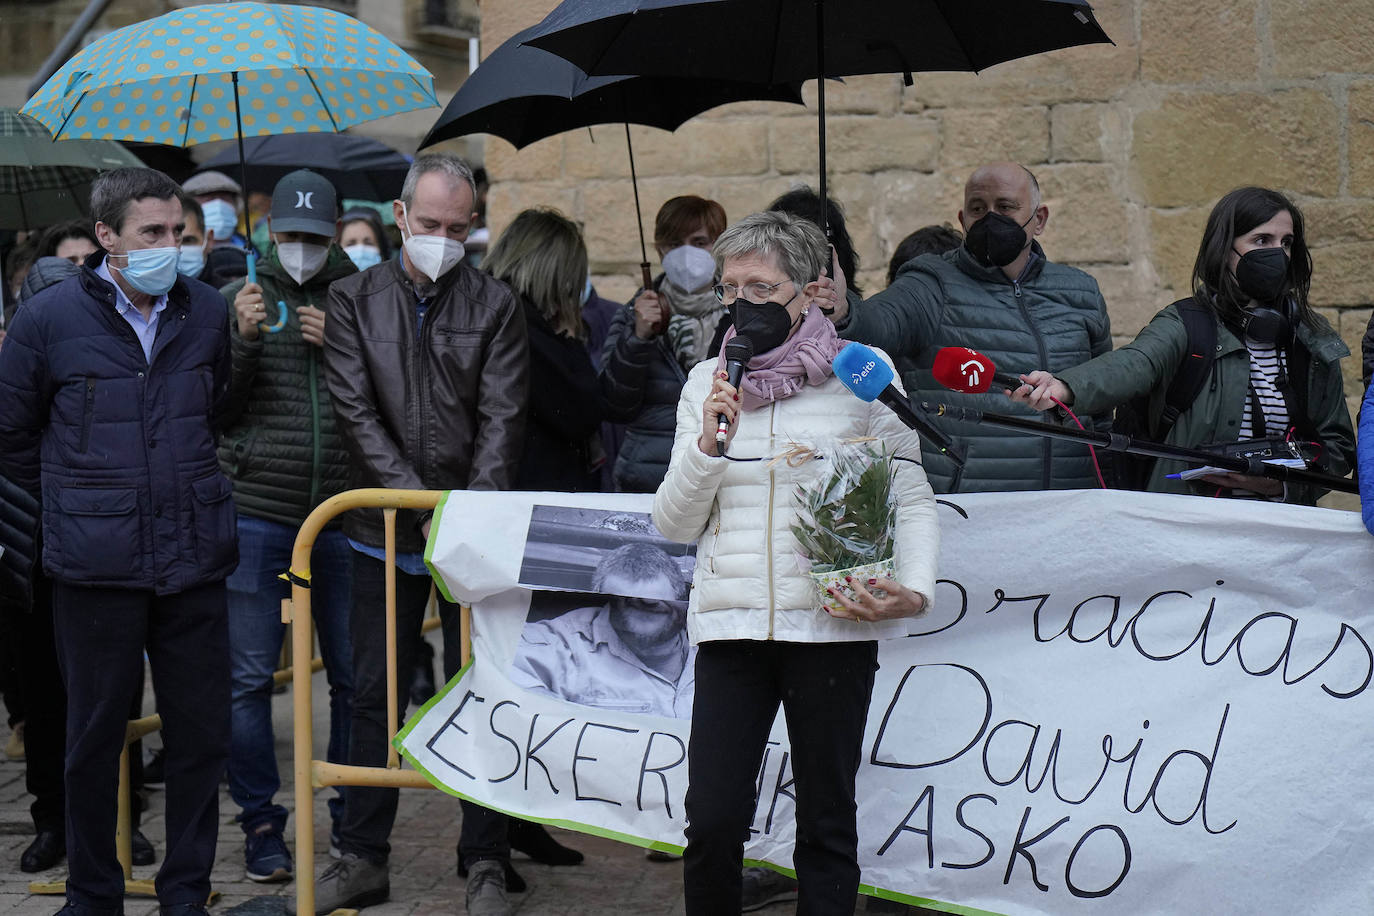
(170, 80)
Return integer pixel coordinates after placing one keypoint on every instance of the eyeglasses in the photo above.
(755, 292)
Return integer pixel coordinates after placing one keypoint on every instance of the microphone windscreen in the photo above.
(740, 349)
(866, 374)
(962, 369)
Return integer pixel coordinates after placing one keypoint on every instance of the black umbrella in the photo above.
(358, 167)
(774, 41)
(523, 94)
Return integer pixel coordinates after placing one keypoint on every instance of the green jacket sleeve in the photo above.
(1116, 377)
(1330, 416)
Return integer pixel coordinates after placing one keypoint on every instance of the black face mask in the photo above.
(996, 240)
(767, 324)
(1262, 274)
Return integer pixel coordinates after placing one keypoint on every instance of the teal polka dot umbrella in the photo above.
(230, 70)
(174, 79)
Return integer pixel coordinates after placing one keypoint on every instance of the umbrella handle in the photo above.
(281, 319)
(252, 258)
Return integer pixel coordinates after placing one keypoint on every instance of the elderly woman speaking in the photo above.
(763, 635)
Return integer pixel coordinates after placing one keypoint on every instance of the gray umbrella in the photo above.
(43, 182)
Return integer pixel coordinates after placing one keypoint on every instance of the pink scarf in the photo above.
(803, 359)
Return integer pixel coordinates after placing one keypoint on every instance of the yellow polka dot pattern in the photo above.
(170, 80)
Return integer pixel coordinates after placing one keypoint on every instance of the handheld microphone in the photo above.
(738, 352)
(870, 378)
(970, 372)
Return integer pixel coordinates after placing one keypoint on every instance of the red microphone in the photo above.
(970, 372)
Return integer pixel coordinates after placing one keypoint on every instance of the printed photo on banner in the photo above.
(565, 545)
(614, 636)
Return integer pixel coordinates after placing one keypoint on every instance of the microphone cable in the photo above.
(1092, 452)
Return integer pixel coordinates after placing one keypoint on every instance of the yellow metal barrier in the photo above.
(310, 773)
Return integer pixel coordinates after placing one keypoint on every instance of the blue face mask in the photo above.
(587, 291)
(220, 218)
(151, 270)
(191, 260)
(364, 255)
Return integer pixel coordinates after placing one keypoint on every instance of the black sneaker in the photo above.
(154, 770)
(142, 849)
(764, 887)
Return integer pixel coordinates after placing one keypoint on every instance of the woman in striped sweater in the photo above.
(1275, 370)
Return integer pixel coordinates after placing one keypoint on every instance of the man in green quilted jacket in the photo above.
(284, 457)
(1000, 295)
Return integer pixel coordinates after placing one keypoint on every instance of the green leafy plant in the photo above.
(846, 520)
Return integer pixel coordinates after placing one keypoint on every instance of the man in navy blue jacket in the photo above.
(110, 383)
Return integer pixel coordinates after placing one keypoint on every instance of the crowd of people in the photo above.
(168, 422)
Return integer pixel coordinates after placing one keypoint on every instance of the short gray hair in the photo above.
(797, 244)
(113, 191)
(456, 169)
(639, 562)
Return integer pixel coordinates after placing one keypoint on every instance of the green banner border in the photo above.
(435, 521)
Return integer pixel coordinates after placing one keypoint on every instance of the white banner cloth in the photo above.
(1121, 703)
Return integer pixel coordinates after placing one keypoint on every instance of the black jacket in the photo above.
(565, 411)
(19, 542)
(642, 381)
(280, 446)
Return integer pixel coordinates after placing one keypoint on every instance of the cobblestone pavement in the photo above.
(615, 878)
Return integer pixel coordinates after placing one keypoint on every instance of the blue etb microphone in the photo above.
(869, 376)
(866, 374)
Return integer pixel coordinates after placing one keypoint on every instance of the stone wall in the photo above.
(1132, 145)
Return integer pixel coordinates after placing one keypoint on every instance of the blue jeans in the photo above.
(255, 641)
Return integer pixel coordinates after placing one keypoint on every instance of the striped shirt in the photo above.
(1266, 364)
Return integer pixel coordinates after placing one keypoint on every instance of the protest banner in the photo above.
(1120, 703)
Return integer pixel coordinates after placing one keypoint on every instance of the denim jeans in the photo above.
(255, 641)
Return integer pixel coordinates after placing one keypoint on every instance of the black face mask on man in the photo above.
(766, 324)
(996, 239)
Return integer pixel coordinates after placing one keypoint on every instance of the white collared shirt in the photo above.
(145, 329)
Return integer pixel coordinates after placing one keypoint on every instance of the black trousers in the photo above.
(101, 636)
(369, 812)
(824, 689)
(45, 701)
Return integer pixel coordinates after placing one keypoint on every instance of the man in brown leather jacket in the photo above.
(427, 361)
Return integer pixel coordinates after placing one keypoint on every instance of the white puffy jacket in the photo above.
(748, 582)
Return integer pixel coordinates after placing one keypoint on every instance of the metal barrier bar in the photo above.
(310, 773)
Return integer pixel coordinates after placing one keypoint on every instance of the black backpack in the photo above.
(1132, 472)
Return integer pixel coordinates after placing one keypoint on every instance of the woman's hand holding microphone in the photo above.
(1040, 390)
(723, 401)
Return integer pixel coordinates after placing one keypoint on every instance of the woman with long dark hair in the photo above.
(1275, 368)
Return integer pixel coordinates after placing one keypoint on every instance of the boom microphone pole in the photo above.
(1116, 442)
